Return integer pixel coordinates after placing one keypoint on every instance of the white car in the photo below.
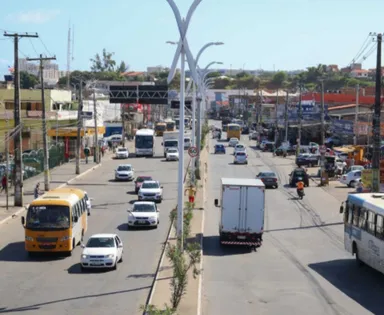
(240, 158)
(172, 155)
(351, 179)
(102, 251)
(239, 148)
(253, 135)
(125, 172)
(122, 153)
(187, 143)
(88, 202)
(151, 190)
(232, 142)
(143, 213)
(263, 143)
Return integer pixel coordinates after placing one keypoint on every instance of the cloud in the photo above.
(34, 17)
(5, 62)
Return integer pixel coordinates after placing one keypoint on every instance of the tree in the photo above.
(103, 63)
(28, 80)
(122, 67)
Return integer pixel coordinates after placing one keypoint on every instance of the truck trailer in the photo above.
(242, 206)
(170, 140)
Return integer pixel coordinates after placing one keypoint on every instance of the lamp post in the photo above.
(182, 51)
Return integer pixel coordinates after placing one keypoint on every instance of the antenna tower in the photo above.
(69, 58)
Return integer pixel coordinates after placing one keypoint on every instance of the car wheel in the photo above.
(82, 268)
(352, 184)
(121, 259)
(115, 265)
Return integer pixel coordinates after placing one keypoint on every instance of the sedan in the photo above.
(144, 213)
(219, 148)
(125, 172)
(102, 251)
(351, 179)
(307, 159)
(233, 142)
(151, 190)
(122, 153)
(139, 181)
(172, 155)
(269, 179)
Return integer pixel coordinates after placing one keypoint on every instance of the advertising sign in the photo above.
(342, 126)
(310, 111)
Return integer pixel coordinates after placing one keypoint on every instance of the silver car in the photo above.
(125, 172)
(233, 142)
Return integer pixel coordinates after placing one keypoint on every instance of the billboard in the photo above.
(309, 109)
(341, 126)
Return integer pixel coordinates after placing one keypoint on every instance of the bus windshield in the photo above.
(170, 125)
(234, 128)
(144, 142)
(48, 217)
(160, 127)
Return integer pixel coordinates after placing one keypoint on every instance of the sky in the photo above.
(266, 34)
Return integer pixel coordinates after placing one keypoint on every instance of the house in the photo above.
(360, 74)
(332, 68)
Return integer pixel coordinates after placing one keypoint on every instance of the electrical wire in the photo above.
(361, 50)
(33, 46)
(46, 49)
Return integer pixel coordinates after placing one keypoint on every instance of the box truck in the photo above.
(170, 140)
(241, 211)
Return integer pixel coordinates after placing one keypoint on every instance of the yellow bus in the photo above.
(56, 221)
(233, 131)
(160, 127)
(171, 125)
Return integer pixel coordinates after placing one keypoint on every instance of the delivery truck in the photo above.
(170, 140)
(241, 211)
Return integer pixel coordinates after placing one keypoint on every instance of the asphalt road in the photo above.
(51, 285)
(301, 268)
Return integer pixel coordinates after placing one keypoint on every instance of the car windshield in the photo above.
(267, 174)
(187, 140)
(172, 151)
(144, 208)
(240, 154)
(124, 168)
(150, 185)
(48, 217)
(142, 179)
(219, 146)
(239, 146)
(96, 242)
(121, 150)
(234, 140)
(170, 143)
(299, 173)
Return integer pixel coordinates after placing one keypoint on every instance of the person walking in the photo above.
(4, 183)
(36, 191)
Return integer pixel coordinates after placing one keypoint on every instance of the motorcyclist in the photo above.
(300, 187)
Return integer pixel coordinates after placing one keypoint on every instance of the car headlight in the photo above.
(65, 238)
(28, 238)
(84, 256)
(110, 256)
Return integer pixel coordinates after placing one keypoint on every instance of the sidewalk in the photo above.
(60, 176)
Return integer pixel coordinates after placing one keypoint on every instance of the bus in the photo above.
(145, 142)
(160, 127)
(233, 131)
(56, 221)
(364, 228)
(170, 125)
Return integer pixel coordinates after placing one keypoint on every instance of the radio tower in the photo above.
(69, 58)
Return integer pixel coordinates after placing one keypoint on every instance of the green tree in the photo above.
(28, 80)
(278, 81)
(103, 63)
(123, 67)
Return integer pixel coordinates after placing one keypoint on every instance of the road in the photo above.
(52, 285)
(301, 268)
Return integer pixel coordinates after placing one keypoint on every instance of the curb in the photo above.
(21, 210)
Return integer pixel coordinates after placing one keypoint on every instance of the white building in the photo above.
(51, 73)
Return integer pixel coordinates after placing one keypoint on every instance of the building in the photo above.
(359, 74)
(51, 73)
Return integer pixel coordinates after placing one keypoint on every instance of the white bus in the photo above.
(364, 228)
(145, 142)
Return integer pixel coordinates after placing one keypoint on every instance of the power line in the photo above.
(46, 49)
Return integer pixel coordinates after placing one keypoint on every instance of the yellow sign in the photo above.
(72, 132)
(367, 178)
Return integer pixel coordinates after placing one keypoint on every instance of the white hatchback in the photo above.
(143, 214)
(240, 158)
(172, 154)
(232, 142)
(239, 148)
(122, 153)
(102, 251)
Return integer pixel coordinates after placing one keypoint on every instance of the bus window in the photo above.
(363, 218)
(371, 223)
(350, 213)
(356, 213)
(379, 226)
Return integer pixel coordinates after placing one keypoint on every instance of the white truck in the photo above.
(187, 141)
(241, 211)
(170, 140)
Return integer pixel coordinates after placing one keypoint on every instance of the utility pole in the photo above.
(286, 116)
(123, 124)
(198, 131)
(57, 128)
(7, 135)
(193, 167)
(322, 131)
(277, 125)
(18, 148)
(97, 160)
(299, 127)
(79, 127)
(376, 121)
(356, 137)
(41, 59)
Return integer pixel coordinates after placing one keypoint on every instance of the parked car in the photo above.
(151, 190)
(240, 158)
(139, 181)
(102, 251)
(172, 154)
(269, 179)
(144, 213)
(239, 148)
(122, 153)
(307, 159)
(298, 174)
(351, 179)
(289, 150)
(268, 146)
(232, 142)
(125, 172)
(253, 135)
(245, 130)
(219, 148)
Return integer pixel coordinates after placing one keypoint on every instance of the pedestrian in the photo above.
(36, 192)
(191, 193)
(102, 151)
(4, 183)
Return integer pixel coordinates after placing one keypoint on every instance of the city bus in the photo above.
(364, 228)
(145, 142)
(170, 125)
(233, 131)
(56, 221)
(160, 127)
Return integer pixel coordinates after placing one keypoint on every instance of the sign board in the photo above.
(87, 115)
(176, 104)
(323, 149)
(142, 94)
(193, 152)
